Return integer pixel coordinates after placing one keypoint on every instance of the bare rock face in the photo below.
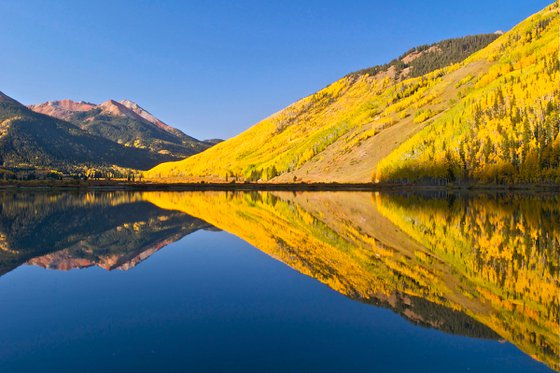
(146, 115)
(62, 109)
(112, 107)
(61, 260)
(65, 110)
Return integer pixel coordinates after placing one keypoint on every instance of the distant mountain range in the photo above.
(30, 139)
(67, 135)
(476, 109)
(126, 123)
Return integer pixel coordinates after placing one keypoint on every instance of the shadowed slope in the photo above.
(29, 139)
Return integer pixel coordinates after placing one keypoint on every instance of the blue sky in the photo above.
(213, 68)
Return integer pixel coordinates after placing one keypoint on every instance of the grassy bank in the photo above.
(202, 186)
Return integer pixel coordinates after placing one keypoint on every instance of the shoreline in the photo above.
(366, 187)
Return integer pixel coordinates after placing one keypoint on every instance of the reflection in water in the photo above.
(481, 266)
(505, 250)
(66, 230)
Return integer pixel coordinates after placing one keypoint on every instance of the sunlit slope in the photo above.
(506, 127)
(365, 248)
(338, 133)
(491, 113)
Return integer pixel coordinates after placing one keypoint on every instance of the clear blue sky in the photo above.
(213, 68)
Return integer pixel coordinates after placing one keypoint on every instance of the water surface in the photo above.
(279, 281)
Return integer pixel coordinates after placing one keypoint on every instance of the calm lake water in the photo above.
(279, 281)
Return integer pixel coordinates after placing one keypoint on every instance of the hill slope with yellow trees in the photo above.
(506, 128)
(432, 114)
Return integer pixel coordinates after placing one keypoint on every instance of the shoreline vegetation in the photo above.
(262, 186)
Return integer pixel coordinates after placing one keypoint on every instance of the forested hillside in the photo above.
(33, 140)
(506, 127)
(424, 59)
(125, 123)
(390, 124)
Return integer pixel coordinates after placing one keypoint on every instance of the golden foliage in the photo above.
(491, 118)
(506, 126)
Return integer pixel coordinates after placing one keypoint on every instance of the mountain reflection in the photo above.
(76, 230)
(439, 260)
(483, 266)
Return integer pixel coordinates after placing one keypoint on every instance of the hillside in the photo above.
(126, 123)
(506, 128)
(424, 59)
(32, 140)
(355, 129)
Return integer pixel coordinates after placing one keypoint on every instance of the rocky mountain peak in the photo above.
(146, 115)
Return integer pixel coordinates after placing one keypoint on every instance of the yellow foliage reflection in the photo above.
(493, 258)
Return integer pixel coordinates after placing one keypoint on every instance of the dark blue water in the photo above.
(212, 302)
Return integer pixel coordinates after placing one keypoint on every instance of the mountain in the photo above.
(126, 123)
(134, 107)
(213, 141)
(458, 110)
(424, 59)
(62, 109)
(30, 139)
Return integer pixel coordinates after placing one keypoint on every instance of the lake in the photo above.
(279, 281)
